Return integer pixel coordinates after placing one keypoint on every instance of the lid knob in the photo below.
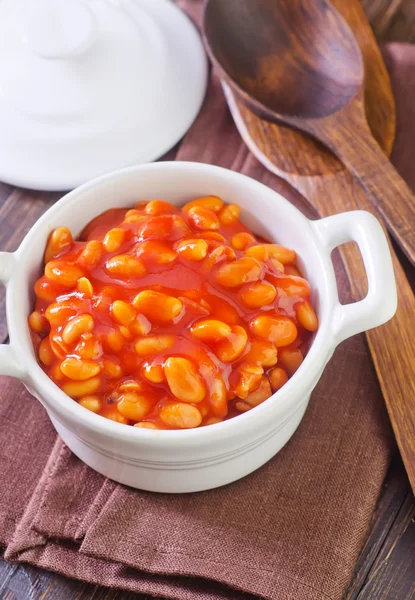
(60, 28)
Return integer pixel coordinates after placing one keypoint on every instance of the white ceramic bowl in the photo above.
(198, 459)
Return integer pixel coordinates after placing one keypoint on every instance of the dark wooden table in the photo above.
(386, 567)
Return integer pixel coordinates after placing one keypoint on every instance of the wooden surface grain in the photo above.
(392, 574)
(385, 570)
(394, 495)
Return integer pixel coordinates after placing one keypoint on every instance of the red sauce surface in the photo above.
(206, 290)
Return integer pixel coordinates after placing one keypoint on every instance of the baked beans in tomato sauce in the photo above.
(170, 318)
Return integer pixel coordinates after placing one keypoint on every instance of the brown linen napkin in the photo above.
(291, 531)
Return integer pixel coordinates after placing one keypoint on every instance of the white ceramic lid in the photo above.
(89, 86)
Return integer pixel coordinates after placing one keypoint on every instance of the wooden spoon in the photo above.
(298, 63)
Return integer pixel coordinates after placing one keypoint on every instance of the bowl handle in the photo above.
(380, 303)
(9, 363)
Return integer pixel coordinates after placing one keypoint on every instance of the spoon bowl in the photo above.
(298, 63)
(258, 46)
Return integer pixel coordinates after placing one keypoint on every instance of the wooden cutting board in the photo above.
(329, 188)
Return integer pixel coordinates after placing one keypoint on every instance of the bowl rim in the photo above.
(66, 410)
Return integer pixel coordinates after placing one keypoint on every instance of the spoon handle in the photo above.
(355, 146)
